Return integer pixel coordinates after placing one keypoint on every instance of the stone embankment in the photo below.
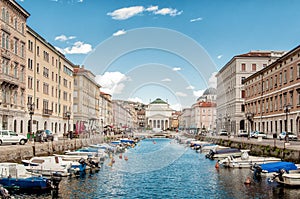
(260, 148)
(15, 153)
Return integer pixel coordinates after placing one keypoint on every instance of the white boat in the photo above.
(223, 153)
(246, 161)
(207, 147)
(48, 165)
(290, 179)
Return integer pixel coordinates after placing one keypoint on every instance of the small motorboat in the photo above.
(285, 178)
(246, 161)
(223, 153)
(271, 169)
(48, 165)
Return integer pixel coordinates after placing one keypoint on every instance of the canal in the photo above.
(162, 168)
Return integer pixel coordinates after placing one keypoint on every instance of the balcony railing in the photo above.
(47, 112)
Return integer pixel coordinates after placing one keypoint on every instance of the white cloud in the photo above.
(190, 87)
(119, 32)
(111, 82)
(166, 80)
(136, 99)
(198, 93)
(126, 13)
(212, 81)
(180, 94)
(176, 69)
(176, 107)
(196, 19)
(64, 38)
(168, 11)
(152, 8)
(80, 1)
(220, 56)
(77, 48)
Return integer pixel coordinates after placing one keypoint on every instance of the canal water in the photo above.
(162, 168)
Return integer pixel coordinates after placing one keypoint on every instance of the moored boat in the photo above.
(271, 169)
(246, 161)
(15, 176)
(223, 153)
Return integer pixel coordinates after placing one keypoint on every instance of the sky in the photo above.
(141, 50)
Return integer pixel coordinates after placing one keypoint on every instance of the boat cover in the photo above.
(276, 166)
(230, 150)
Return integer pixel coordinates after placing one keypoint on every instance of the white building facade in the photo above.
(159, 115)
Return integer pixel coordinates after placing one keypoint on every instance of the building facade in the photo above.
(273, 96)
(13, 109)
(230, 88)
(159, 115)
(49, 78)
(106, 110)
(86, 107)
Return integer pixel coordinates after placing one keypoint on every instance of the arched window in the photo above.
(3, 14)
(3, 40)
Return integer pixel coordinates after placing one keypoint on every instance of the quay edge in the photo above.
(16, 153)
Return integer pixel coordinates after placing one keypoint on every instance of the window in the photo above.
(280, 101)
(280, 79)
(37, 68)
(275, 81)
(243, 67)
(46, 56)
(298, 70)
(5, 67)
(22, 50)
(16, 23)
(37, 85)
(243, 108)
(291, 74)
(65, 96)
(291, 98)
(253, 67)
(30, 84)
(65, 82)
(46, 72)
(22, 28)
(284, 98)
(275, 103)
(271, 82)
(37, 103)
(46, 88)
(30, 45)
(22, 74)
(271, 104)
(29, 63)
(38, 51)
(16, 70)
(298, 97)
(3, 14)
(284, 76)
(16, 46)
(243, 93)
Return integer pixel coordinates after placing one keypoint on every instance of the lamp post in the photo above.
(286, 109)
(68, 114)
(249, 117)
(30, 107)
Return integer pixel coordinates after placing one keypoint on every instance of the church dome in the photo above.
(158, 101)
(210, 91)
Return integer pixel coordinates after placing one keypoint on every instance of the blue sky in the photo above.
(182, 42)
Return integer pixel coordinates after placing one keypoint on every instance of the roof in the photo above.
(158, 101)
(210, 91)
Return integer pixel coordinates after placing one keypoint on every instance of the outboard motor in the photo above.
(210, 155)
(4, 193)
(55, 179)
(256, 172)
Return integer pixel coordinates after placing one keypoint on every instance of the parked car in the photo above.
(43, 135)
(11, 137)
(223, 132)
(242, 133)
(291, 136)
(259, 134)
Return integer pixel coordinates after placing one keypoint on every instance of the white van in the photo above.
(11, 137)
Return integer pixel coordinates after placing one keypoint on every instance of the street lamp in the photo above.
(249, 117)
(286, 109)
(30, 107)
(68, 114)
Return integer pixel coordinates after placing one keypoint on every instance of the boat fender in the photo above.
(248, 180)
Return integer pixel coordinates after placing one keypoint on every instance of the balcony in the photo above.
(47, 112)
(10, 81)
